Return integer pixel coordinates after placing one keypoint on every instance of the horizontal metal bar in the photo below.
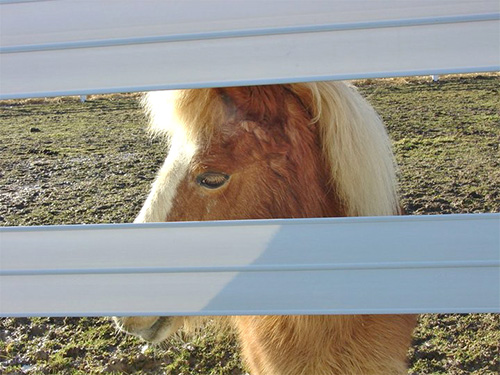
(5, 2)
(327, 265)
(70, 21)
(267, 81)
(343, 311)
(260, 222)
(242, 33)
(181, 46)
(253, 268)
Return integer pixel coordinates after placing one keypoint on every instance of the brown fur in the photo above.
(273, 144)
(273, 155)
(325, 345)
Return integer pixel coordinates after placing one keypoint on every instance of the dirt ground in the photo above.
(66, 162)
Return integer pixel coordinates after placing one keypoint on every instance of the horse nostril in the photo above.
(152, 329)
(135, 324)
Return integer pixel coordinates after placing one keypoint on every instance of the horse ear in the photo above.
(305, 97)
(233, 97)
(257, 103)
(228, 100)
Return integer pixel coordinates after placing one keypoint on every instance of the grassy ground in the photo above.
(66, 162)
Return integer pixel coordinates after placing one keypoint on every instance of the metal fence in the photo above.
(64, 47)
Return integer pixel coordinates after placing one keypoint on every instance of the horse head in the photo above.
(259, 152)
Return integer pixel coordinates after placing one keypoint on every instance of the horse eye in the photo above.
(212, 180)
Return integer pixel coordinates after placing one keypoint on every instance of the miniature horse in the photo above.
(281, 151)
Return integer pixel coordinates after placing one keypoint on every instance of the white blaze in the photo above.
(174, 169)
(164, 121)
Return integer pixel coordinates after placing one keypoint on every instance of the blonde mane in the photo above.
(354, 140)
(357, 147)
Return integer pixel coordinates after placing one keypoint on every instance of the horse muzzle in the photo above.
(154, 329)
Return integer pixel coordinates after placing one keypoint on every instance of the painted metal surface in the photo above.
(408, 264)
(316, 266)
(79, 49)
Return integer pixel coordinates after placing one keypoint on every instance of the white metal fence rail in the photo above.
(365, 265)
(63, 47)
(316, 266)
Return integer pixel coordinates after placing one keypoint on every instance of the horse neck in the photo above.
(325, 345)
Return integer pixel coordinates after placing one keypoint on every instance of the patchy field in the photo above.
(66, 162)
